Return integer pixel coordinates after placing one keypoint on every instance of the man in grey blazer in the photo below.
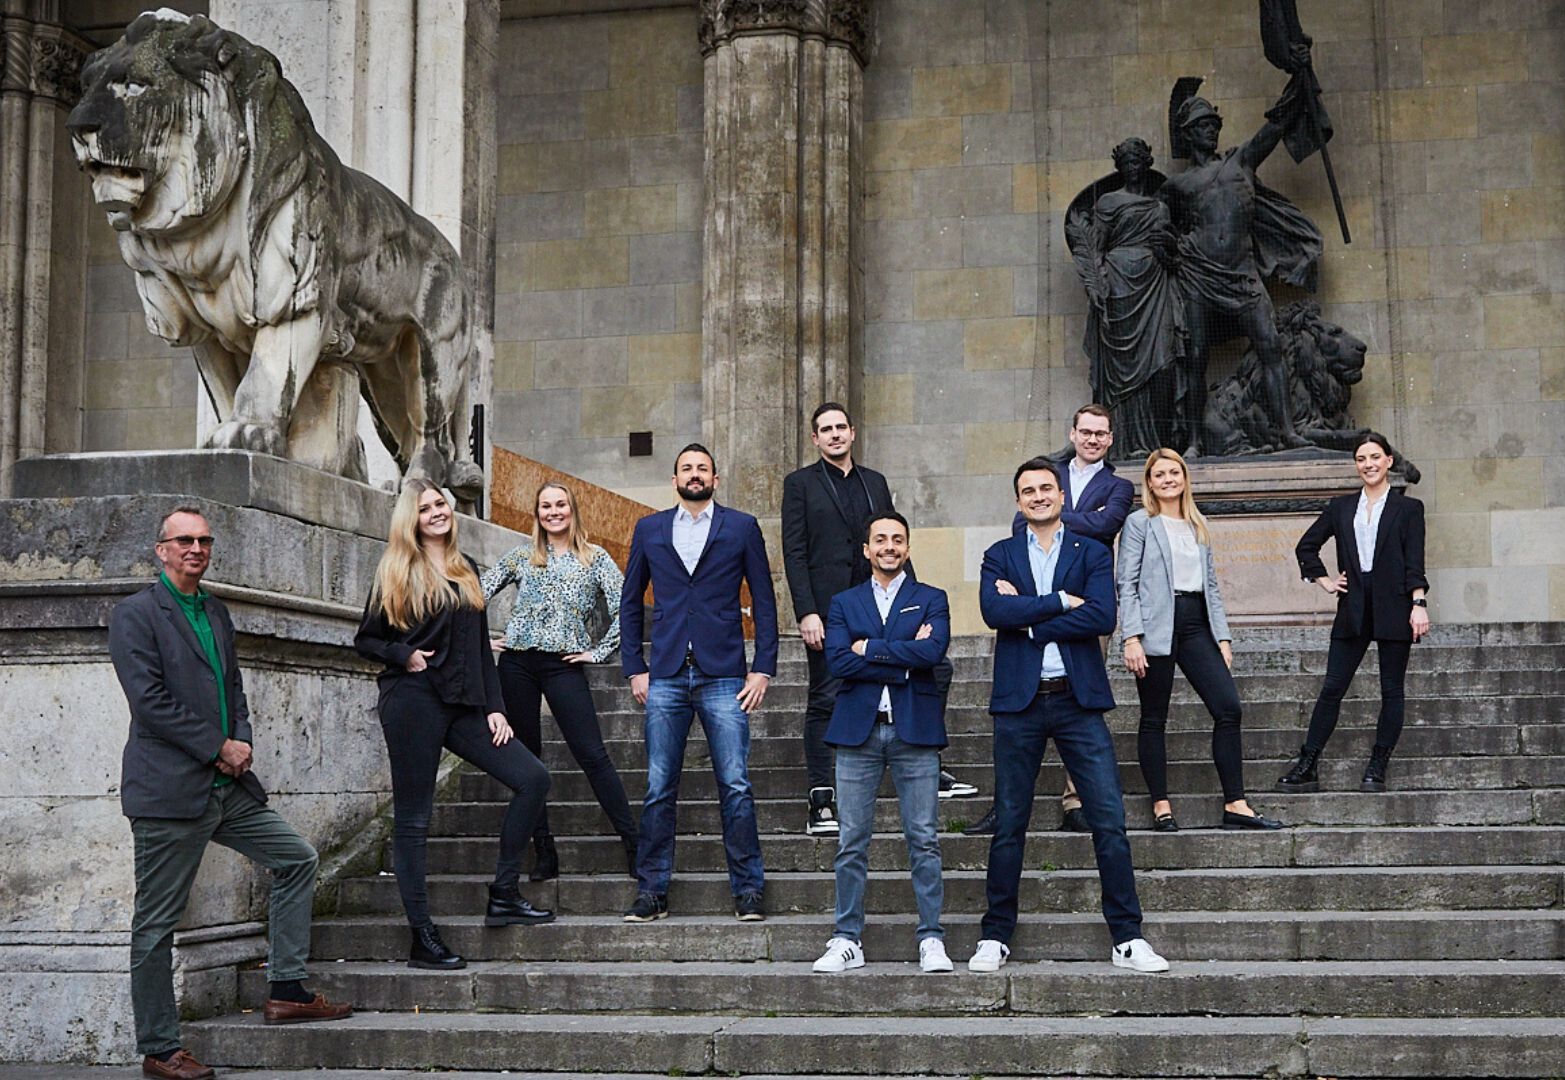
(185, 781)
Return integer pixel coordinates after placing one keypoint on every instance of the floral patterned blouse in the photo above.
(554, 602)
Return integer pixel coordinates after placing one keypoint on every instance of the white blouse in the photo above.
(1189, 566)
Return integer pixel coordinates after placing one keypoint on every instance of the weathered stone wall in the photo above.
(598, 279)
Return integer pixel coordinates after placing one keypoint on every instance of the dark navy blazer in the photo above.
(891, 658)
(699, 612)
(1101, 510)
(1025, 624)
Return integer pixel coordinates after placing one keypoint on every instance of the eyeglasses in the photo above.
(1094, 436)
(188, 541)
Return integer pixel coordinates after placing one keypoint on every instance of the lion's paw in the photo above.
(465, 479)
(239, 435)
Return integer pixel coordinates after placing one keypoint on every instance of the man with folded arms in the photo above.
(186, 781)
(884, 639)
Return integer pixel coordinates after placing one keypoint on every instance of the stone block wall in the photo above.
(598, 279)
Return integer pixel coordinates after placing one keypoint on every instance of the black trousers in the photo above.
(819, 761)
(1196, 653)
(418, 726)
(1342, 662)
(529, 677)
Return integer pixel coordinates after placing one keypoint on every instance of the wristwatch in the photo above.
(1420, 603)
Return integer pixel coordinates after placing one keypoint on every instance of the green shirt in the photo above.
(194, 608)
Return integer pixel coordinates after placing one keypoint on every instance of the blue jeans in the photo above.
(1087, 750)
(915, 770)
(671, 703)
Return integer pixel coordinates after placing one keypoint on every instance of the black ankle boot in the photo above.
(1375, 771)
(507, 907)
(546, 861)
(431, 953)
(631, 843)
(1302, 776)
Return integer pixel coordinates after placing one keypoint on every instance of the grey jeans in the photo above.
(168, 854)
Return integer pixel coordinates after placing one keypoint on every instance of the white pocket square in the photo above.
(910, 607)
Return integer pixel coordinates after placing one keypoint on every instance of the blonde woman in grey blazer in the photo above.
(1171, 613)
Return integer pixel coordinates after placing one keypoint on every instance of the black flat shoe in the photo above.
(984, 826)
(1165, 823)
(1232, 820)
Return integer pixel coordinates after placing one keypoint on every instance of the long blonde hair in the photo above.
(1186, 501)
(575, 536)
(408, 587)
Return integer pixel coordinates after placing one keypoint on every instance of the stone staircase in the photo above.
(1419, 932)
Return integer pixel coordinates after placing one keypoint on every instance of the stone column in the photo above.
(39, 66)
(783, 291)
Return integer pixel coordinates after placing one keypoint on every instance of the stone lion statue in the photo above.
(299, 282)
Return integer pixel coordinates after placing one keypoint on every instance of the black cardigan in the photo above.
(1399, 564)
(462, 671)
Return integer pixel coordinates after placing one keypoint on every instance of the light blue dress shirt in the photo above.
(690, 536)
(1043, 563)
(884, 598)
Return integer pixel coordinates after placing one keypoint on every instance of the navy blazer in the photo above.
(699, 612)
(891, 658)
(1025, 624)
(1101, 510)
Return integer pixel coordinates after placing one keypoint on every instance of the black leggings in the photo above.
(1342, 661)
(417, 726)
(1196, 653)
(526, 678)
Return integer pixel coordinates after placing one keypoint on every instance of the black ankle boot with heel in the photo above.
(1302, 777)
(1375, 772)
(546, 860)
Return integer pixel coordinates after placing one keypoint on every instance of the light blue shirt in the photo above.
(1043, 563)
(884, 598)
(690, 536)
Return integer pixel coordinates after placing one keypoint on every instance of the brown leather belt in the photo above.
(1053, 686)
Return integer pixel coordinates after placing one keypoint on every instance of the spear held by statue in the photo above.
(1280, 37)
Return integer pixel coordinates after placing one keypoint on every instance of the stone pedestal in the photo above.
(295, 554)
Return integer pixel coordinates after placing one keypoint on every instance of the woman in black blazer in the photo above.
(1380, 598)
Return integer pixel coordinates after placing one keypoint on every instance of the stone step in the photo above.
(893, 985)
(1352, 935)
(1350, 743)
(698, 810)
(626, 719)
(1526, 845)
(965, 1046)
(117, 1072)
(1042, 891)
(1193, 777)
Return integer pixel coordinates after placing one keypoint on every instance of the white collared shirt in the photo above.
(1081, 476)
(1366, 527)
(1189, 568)
(690, 535)
(884, 598)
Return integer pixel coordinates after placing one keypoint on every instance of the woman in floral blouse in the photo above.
(559, 577)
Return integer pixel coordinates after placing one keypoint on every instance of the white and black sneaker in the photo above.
(1137, 955)
(989, 956)
(952, 788)
(840, 955)
(823, 812)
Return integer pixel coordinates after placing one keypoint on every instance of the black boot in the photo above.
(430, 952)
(507, 907)
(1302, 776)
(1375, 771)
(984, 826)
(631, 843)
(546, 861)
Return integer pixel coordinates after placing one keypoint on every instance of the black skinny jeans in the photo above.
(417, 726)
(1342, 663)
(1196, 653)
(528, 677)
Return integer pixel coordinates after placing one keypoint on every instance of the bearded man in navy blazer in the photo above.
(695, 556)
(884, 639)
(1049, 595)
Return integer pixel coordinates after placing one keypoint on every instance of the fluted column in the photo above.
(783, 274)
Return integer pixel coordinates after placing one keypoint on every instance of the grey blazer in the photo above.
(176, 726)
(1146, 586)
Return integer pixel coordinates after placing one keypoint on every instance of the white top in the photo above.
(1189, 566)
(1366, 526)
(884, 598)
(690, 536)
(1081, 476)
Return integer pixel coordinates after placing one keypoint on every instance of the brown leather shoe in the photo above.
(297, 1012)
(179, 1067)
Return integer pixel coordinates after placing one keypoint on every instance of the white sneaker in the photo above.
(932, 955)
(840, 955)
(990, 956)
(1137, 955)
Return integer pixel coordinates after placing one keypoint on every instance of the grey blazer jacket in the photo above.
(1146, 586)
(176, 726)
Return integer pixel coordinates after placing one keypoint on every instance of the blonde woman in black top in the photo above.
(425, 621)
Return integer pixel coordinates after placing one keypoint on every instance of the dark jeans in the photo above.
(1087, 750)
(1196, 653)
(817, 717)
(1342, 661)
(418, 726)
(529, 677)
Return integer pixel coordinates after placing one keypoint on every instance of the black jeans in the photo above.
(529, 677)
(1342, 661)
(1196, 653)
(818, 757)
(417, 726)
